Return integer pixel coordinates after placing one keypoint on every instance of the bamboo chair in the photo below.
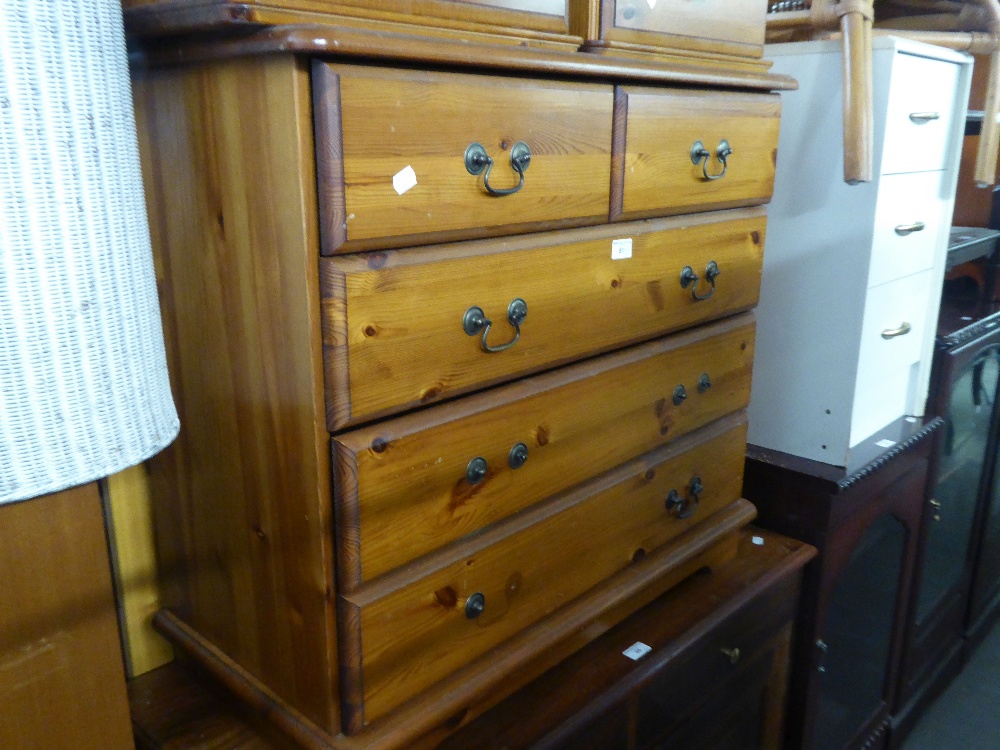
(972, 26)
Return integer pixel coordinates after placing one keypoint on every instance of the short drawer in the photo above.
(397, 159)
(920, 114)
(892, 340)
(410, 633)
(734, 27)
(393, 323)
(908, 225)
(406, 486)
(657, 170)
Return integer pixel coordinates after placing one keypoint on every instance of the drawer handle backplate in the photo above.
(690, 279)
(475, 605)
(922, 117)
(477, 160)
(904, 229)
(891, 333)
(701, 154)
(475, 472)
(475, 321)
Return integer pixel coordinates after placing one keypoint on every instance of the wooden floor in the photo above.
(176, 708)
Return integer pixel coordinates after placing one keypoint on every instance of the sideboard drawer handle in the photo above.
(922, 117)
(475, 472)
(684, 507)
(475, 320)
(680, 393)
(518, 456)
(690, 279)
(477, 160)
(701, 154)
(475, 605)
(904, 229)
(891, 333)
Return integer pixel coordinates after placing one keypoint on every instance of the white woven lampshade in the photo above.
(83, 380)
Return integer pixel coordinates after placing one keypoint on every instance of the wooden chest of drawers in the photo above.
(412, 476)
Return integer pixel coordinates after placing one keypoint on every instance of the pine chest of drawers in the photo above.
(464, 376)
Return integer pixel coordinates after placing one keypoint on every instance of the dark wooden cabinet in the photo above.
(957, 576)
(864, 519)
(715, 675)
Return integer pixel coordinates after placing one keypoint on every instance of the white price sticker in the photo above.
(621, 249)
(404, 179)
(637, 650)
(886, 443)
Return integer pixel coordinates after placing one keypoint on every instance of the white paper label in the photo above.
(621, 249)
(404, 179)
(758, 540)
(652, 4)
(886, 443)
(637, 650)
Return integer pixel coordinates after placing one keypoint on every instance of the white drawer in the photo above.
(888, 367)
(907, 225)
(920, 114)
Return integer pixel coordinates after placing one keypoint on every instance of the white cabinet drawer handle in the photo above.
(922, 117)
(891, 333)
(904, 229)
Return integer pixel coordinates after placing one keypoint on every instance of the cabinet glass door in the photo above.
(858, 634)
(953, 503)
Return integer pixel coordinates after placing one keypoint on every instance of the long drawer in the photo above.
(393, 329)
(659, 134)
(409, 485)
(397, 159)
(410, 633)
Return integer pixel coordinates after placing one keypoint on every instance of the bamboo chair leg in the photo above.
(989, 135)
(858, 107)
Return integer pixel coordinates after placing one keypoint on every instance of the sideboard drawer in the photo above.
(920, 115)
(655, 171)
(497, 585)
(897, 310)
(414, 473)
(393, 330)
(907, 225)
(393, 155)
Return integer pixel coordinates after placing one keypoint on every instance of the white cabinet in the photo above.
(852, 273)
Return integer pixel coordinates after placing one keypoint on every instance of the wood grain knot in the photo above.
(446, 597)
(371, 331)
(755, 236)
(650, 473)
(638, 555)
(542, 435)
(376, 260)
(615, 283)
(430, 393)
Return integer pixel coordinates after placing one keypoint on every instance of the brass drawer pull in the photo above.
(684, 507)
(690, 279)
(475, 320)
(518, 456)
(922, 117)
(477, 160)
(904, 229)
(891, 333)
(475, 605)
(701, 154)
(475, 472)
(734, 654)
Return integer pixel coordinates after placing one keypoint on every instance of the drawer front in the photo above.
(655, 131)
(724, 26)
(887, 366)
(908, 225)
(412, 473)
(920, 114)
(394, 336)
(524, 576)
(391, 151)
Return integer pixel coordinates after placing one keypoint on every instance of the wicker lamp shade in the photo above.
(84, 390)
